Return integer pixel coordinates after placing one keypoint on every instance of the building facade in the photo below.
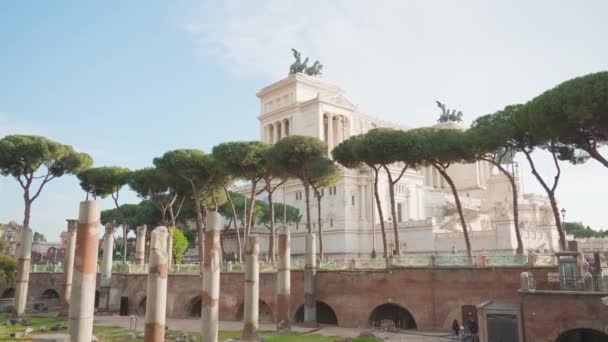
(427, 220)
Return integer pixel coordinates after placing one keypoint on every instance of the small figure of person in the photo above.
(455, 327)
(472, 327)
(453, 249)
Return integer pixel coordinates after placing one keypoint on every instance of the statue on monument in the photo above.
(448, 115)
(299, 66)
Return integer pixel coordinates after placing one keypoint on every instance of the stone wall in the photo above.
(433, 296)
(548, 314)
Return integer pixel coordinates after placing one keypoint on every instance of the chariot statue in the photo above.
(448, 115)
(298, 66)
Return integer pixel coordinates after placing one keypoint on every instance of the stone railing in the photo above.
(297, 264)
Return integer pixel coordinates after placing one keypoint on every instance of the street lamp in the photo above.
(563, 211)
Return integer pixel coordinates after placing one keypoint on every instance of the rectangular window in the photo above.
(331, 222)
(399, 210)
(352, 198)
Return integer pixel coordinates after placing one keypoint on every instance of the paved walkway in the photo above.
(193, 325)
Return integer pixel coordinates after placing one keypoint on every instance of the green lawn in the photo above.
(107, 334)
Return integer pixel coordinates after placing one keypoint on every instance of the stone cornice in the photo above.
(302, 78)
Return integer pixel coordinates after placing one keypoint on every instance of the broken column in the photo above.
(211, 277)
(68, 268)
(23, 274)
(310, 274)
(170, 246)
(140, 245)
(105, 281)
(284, 282)
(82, 302)
(252, 290)
(156, 294)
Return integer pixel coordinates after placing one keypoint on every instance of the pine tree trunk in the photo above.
(320, 222)
(236, 226)
(380, 215)
(511, 177)
(271, 244)
(307, 198)
(391, 191)
(459, 208)
(251, 206)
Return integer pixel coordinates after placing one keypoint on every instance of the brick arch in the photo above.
(8, 292)
(402, 317)
(266, 315)
(326, 314)
(567, 326)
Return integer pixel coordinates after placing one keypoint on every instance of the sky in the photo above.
(126, 81)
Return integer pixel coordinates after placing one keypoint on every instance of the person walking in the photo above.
(455, 327)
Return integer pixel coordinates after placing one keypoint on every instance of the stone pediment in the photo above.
(339, 100)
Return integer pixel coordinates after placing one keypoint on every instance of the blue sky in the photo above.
(127, 81)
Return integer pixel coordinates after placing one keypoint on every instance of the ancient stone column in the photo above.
(68, 268)
(140, 245)
(82, 301)
(211, 277)
(252, 290)
(156, 303)
(105, 281)
(310, 274)
(170, 247)
(330, 133)
(284, 282)
(23, 274)
(339, 130)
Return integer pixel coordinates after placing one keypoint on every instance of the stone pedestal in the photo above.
(82, 300)
(211, 277)
(105, 281)
(252, 290)
(68, 268)
(140, 245)
(23, 274)
(156, 294)
(284, 282)
(310, 275)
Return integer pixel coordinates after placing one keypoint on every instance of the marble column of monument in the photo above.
(68, 268)
(284, 282)
(156, 294)
(211, 278)
(23, 274)
(140, 245)
(252, 290)
(105, 281)
(82, 300)
(310, 275)
(339, 130)
(330, 133)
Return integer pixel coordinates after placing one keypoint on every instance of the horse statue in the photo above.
(294, 68)
(448, 115)
(315, 69)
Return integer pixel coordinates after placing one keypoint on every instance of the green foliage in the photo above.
(323, 173)
(22, 155)
(4, 245)
(239, 206)
(135, 215)
(104, 181)
(293, 214)
(242, 159)
(580, 231)
(575, 112)
(150, 183)
(190, 236)
(8, 268)
(39, 237)
(295, 152)
(180, 245)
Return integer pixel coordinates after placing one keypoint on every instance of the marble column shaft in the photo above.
(252, 290)
(82, 302)
(211, 278)
(156, 294)
(310, 274)
(68, 268)
(140, 245)
(23, 274)
(105, 281)
(284, 282)
(330, 133)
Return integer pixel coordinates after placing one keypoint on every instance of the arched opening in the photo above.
(325, 314)
(391, 316)
(194, 307)
(264, 312)
(8, 293)
(582, 335)
(141, 308)
(50, 294)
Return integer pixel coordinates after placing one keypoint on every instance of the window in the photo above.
(399, 211)
(331, 222)
(352, 198)
(298, 195)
